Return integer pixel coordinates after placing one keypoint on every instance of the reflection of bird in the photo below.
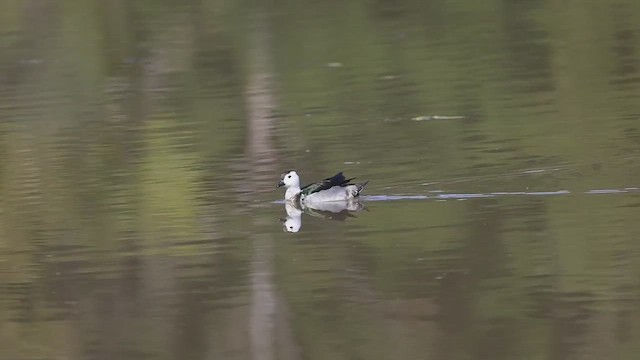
(293, 221)
(334, 188)
(333, 210)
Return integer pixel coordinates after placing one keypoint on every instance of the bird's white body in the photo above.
(336, 193)
(292, 193)
(336, 188)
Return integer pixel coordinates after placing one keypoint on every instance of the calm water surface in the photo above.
(140, 144)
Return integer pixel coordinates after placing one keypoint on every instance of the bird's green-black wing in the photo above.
(336, 180)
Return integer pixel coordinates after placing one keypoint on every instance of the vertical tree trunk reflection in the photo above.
(270, 334)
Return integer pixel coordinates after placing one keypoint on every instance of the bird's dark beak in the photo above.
(280, 184)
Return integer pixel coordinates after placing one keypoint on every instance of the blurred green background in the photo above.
(140, 142)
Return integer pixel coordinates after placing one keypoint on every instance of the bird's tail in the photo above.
(360, 187)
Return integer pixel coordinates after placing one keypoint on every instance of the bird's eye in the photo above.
(289, 176)
(291, 227)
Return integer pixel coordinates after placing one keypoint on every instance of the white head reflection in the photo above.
(293, 222)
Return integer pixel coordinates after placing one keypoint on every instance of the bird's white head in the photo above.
(291, 181)
(288, 179)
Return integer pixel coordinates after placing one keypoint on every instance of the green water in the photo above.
(140, 144)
